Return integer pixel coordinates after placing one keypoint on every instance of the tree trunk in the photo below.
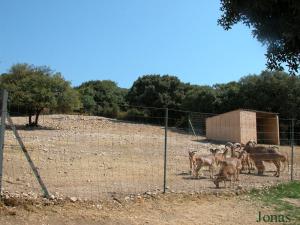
(38, 112)
(30, 119)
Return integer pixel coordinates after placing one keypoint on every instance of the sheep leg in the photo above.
(249, 165)
(191, 166)
(260, 167)
(237, 175)
(196, 170)
(211, 170)
(277, 164)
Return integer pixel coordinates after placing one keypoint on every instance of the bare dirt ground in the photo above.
(165, 210)
(93, 158)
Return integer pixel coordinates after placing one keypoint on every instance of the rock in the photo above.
(73, 199)
(239, 187)
(52, 197)
(24, 195)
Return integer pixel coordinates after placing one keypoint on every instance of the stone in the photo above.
(73, 199)
(239, 187)
(52, 197)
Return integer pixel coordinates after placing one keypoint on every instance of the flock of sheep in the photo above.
(241, 157)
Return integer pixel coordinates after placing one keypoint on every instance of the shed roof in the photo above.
(249, 110)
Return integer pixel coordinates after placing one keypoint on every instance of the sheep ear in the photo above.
(211, 150)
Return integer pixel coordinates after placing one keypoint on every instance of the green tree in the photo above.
(227, 97)
(102, 97)
(275, 23)
(200, 99)
(32, 89)
(157, 91)
(271, 91)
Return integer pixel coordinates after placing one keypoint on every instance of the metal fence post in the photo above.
(189, 119)
(165, 152)
(31, 164)
(3, 105)
(292, 148)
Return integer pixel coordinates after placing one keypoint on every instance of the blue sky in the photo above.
(122, 40)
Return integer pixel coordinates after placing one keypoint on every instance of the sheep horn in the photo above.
(251, 143)
(238, 145)
(229, 144)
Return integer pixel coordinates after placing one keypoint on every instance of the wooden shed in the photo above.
(242, 125)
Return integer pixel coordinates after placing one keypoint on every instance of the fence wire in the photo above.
(94, 157)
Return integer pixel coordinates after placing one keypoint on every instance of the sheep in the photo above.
(191, 155)
(233, 148)
(247, 162)
(260, 154)
(198, 161)
(285, 159)
(234, 161)
(220, 156)
(227, 172)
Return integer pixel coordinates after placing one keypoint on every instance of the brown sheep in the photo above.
(285, 159)
(198, 161)
(191, 155)
(220, 156)
(234, 161)
(260, 154)
(227, 172)
(247, 162)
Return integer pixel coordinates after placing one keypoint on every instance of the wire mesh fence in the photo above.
(88, 157)
(93, 157)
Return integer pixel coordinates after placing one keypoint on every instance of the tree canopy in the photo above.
(157, 91)
(200, 99)
(32, 89)
(101, 97)
(275, 23)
